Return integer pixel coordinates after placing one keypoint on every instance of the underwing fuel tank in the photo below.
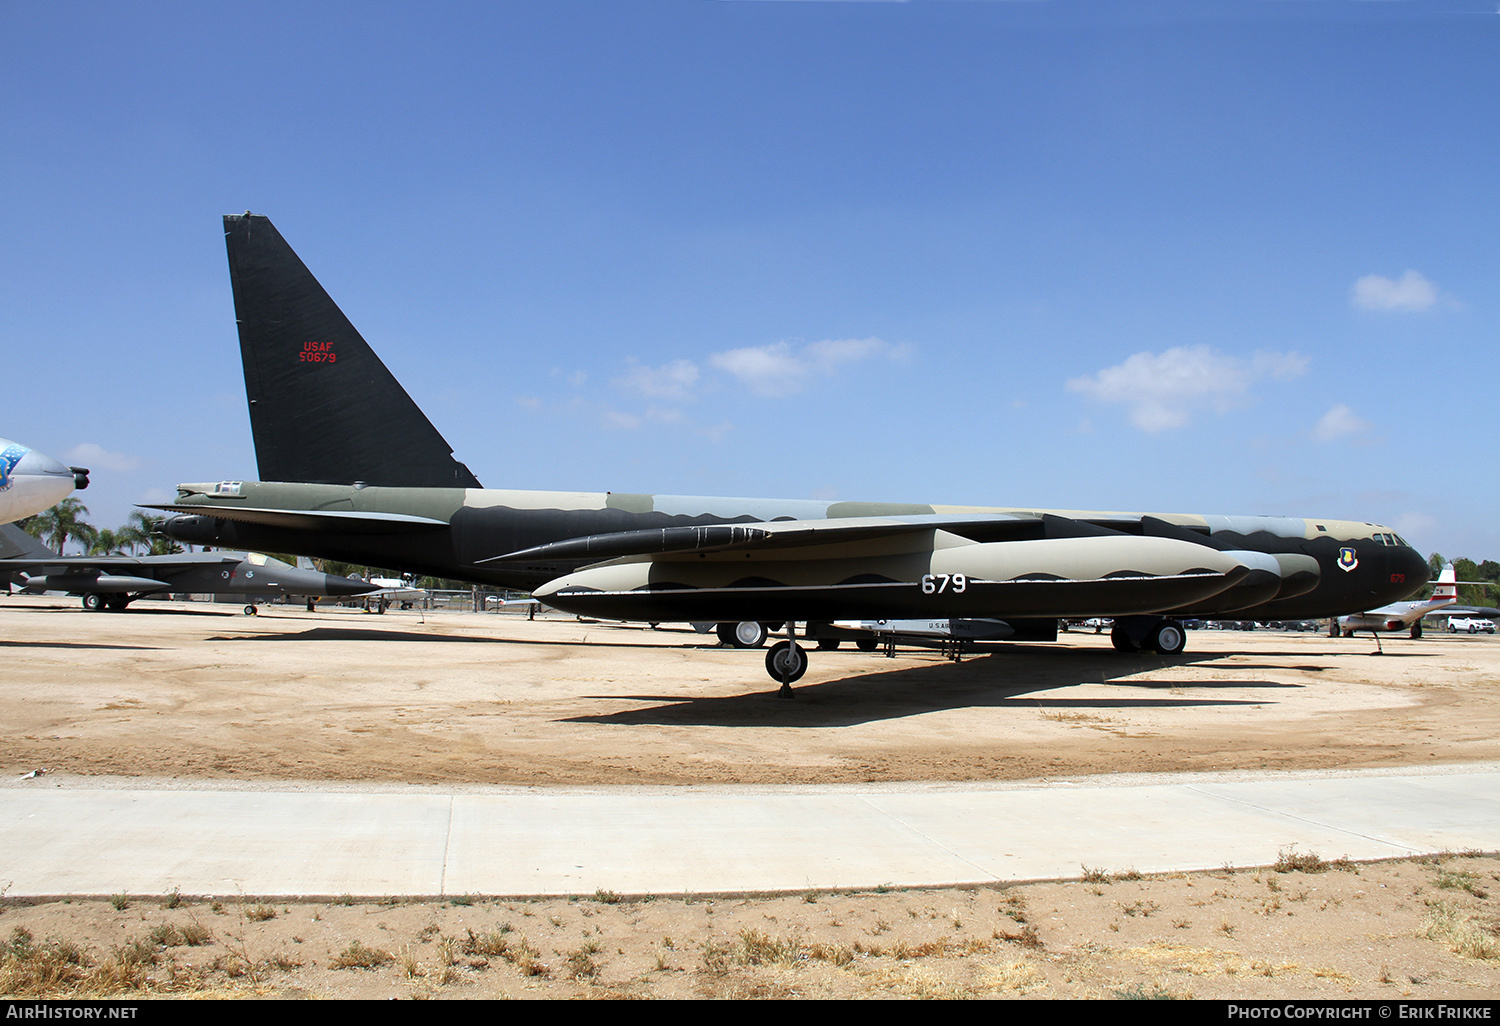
(1058, 577)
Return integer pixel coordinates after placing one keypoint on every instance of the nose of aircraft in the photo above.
(40, 464)
(1409, 564)
(338, 586)
(30, 481)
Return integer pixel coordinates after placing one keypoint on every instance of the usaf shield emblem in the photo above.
(1348, 558)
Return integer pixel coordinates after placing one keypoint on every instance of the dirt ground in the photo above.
(194, 692)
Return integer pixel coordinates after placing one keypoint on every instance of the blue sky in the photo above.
(1208, 257)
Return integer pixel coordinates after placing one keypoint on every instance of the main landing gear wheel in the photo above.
(867, 644)
(1167, 638)
(1121, 640)
(1416, 630)
(117, 603)
(745, 634)
(251, 611)
(92, 602)
(786, 662)
(828, 644)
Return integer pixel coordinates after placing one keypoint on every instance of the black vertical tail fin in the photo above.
(323, 407)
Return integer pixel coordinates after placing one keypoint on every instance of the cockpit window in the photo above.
(260, 559)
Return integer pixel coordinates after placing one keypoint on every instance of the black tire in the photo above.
(93, 602)
(1121, 640)
(1416, 630)
(725, 631)
(117, 603)
(828, 644)
(251, 611)
(1167, 638)
(776, 660)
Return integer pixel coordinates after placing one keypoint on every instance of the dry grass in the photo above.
(1255, 933)
(1452, 926)
(357, 956)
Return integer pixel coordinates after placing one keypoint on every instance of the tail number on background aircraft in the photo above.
(936, 584)
(318, 352)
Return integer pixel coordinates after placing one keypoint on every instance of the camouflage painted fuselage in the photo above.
(447, 532)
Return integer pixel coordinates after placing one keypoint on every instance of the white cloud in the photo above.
(779, 370)
(1339, 422)
(96, 457)
(1162, 391)
(1376, 292)
(673, 380)
(622, 421)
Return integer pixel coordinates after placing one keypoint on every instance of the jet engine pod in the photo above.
(193, 528)
(1299, 574)
(1112, 575)
(1261, 584)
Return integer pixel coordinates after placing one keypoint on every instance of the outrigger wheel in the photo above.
(786, 662)
(744, 634)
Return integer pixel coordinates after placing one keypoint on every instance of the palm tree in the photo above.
(106, 543)
(140, 530)
(63, 521)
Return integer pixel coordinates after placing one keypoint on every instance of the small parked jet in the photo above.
(1402, 616)
(32, 481)
(352, 470)
(113, 582)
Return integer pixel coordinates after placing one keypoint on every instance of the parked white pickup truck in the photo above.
(1470, 625)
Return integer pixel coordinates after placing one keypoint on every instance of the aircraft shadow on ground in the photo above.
(361, 634)
(383, 634)
(78, 645)
(75, 610)
(996, 680)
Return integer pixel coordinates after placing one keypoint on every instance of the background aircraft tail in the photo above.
(323, 407)
(17, 544)
(1447, 584)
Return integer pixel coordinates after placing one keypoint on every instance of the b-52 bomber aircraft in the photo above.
(352, 470)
